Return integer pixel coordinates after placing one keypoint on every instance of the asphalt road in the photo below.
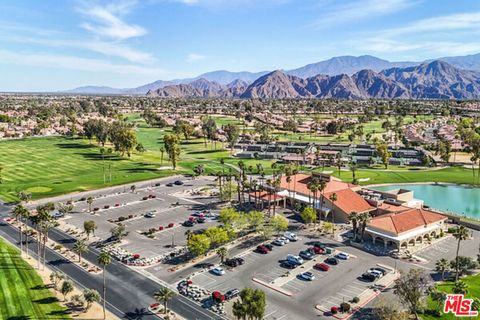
(128, 292)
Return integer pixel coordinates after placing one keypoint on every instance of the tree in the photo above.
(198, 244)
(123, 138)
(232, 133)
(222, 252)
(464, 265)
(67, 287)
(364, 219)
(90, 202)
(460, 287)
(279, 223)
(229, 216)
(79, 248)
(24, 196)
(65, 208)
(438, 297)
(460, 233)
(255, 219)
(162, 151)
(411, 288)
(198, 170)
(386, 309)
(383, 153)
(252, 304)
(164, 294)
(171, 143)
(353, 217)
(309, 215)
(104, 259)
(217, 235)
(333, 198)
(19, 212)
(55, 278)
(442, 266)
(140, 148)
(89, 226)
(91, 296)
(119, 232)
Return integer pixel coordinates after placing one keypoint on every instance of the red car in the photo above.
(262, 249)
(322, 266)
(160, 228)
(317, 250)
(171, 224)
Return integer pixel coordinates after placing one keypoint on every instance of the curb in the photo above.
(274, 288)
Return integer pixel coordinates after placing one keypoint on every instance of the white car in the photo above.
(290, 236)
(294, 259)
(343, 256)
(307, 276)
(150, 214)
(284, 239)
(218, 271)
(278, 242)
(376, 273)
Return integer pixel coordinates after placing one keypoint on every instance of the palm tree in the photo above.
(222, 252)
(188, 234)
(442, 266)
(353, 217)
(19, 212)
(163, 295)
(80, 247)
(104, 259)
(162, 151)
(90, 202)
(460, 233)
(460, 287)
(26, 216)
(333, 197)
(364, 219)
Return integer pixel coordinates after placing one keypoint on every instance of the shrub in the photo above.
(130, 216)
(345, 307)
(96, 209)
(122, 218)
(334, 310)
(355, 299)
(106, 207)
(58, 247)
(82, 199)
(451, 230)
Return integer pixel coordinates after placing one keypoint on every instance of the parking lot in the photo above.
(341, 283)
(170, 204)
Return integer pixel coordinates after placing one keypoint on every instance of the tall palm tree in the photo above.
(163, 295)
(442, 266)
(364, 219)
(222, 252)
(79, 248)
(460, 233)
(26, 217)
(353, 217)
(333, 197)
(19, 212)
(104, 259)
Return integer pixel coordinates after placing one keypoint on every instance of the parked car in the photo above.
(381, 270)
(150, 214)
(218, 271)
(201, 220)
(290, 236)
(230, 294)
(284, 239)
(319, 245)
(268, 246)
(369, 277)
(322, 266)
(170, 225)
(332, 261)
(376, 273)
(343, 256)
(305, 254)
(188, 223)
(307, 276)
(262, 249)
(278, 242)
(288, 264)
(57, 215)
(294, 259)
(234, 262)
(317, 250)
(169, 184)
(178, 183)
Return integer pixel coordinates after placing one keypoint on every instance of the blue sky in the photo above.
(61, 44)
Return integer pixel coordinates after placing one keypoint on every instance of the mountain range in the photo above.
(432, 80)
(233, 82)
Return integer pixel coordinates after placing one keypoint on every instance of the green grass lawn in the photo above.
(22, 293)
(52, 166)
(459, 175)
(473, 291)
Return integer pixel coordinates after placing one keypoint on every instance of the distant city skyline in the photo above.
(55, 45)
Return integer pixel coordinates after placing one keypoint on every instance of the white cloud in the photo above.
(75, 63)
(193, 57)
(109, 21)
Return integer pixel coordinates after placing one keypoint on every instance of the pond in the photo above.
(458, 199)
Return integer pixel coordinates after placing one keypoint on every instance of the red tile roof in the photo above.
(347, 199)
(405, 221)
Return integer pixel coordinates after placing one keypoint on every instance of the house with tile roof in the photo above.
(347, 199)
(404, 229)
